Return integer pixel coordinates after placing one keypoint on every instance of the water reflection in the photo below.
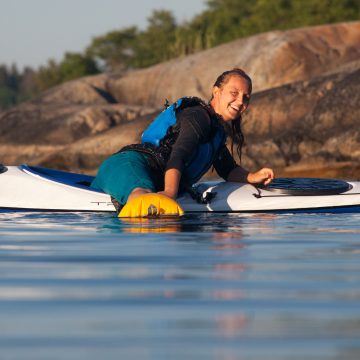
(196, 223)
(211, 286)
(144, 225)
(108, 222)
(232, 325)
(223, 226)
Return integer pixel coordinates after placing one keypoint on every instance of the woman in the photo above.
(187, 150)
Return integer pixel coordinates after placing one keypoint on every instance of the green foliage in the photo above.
(27, 87)
(226, 19)
(114, 50)
(14, 86)
(129, 47)
(48, 75)
(75, 65)
(8, 97)
(231, 19)
(156, 43)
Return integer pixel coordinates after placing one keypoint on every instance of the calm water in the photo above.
(223, 286)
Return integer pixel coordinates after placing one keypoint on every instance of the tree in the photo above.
(226, 19)
(48, 75)
(156, 43)
(3, 75)
(231, 19)
(114, 50)
(7, 97)
(27, 86)
(75, 65)
(10, 80)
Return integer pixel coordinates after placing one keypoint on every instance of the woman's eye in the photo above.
(233, 93)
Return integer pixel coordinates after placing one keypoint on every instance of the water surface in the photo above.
(206, 286)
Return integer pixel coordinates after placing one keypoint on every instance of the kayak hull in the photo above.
(27, 188)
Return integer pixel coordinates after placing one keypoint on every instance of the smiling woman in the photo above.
(235, 91)
(181, 144)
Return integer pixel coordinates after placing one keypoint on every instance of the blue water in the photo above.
(209, 286)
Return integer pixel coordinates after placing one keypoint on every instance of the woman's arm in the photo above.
(263, 176)
(229, 170)
(194, 128)
(171, 183)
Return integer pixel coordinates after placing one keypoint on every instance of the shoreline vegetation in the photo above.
(163, 39)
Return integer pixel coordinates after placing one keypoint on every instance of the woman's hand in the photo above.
(171, 195)
(171, 183)
(263, 176)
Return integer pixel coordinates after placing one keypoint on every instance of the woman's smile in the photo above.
(235, 110)
(232, 98)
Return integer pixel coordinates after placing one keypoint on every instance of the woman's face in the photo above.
(232, 98)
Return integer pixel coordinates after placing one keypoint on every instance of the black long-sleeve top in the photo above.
(195, 125)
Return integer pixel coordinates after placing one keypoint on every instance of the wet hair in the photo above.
(226, 75)
(236, 132)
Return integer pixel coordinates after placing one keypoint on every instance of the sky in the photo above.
(34, 31)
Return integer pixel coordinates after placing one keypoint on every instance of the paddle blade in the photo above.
(149, 205)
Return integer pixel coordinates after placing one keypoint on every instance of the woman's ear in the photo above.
(215, 91)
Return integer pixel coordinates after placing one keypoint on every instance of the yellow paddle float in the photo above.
(151, 205)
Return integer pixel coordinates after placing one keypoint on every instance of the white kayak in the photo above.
(30, 188)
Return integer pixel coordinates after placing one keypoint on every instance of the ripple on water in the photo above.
(205, 286)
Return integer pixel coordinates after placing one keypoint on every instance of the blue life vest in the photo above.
(205, 154)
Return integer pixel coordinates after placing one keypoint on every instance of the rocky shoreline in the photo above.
(304, 117)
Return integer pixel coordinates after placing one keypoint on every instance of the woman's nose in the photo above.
(240, 100)
(240, 97)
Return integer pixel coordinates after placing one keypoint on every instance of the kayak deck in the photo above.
(31, 188)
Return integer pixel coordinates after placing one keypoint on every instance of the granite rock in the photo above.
(272, 59)
(304, 117)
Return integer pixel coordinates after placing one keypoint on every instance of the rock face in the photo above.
(67, 113)
(304, 117)
(307, 127)
(272, 59)
(52, 129)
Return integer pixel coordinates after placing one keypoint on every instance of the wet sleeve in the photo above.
(224, 163)
(194, 128)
